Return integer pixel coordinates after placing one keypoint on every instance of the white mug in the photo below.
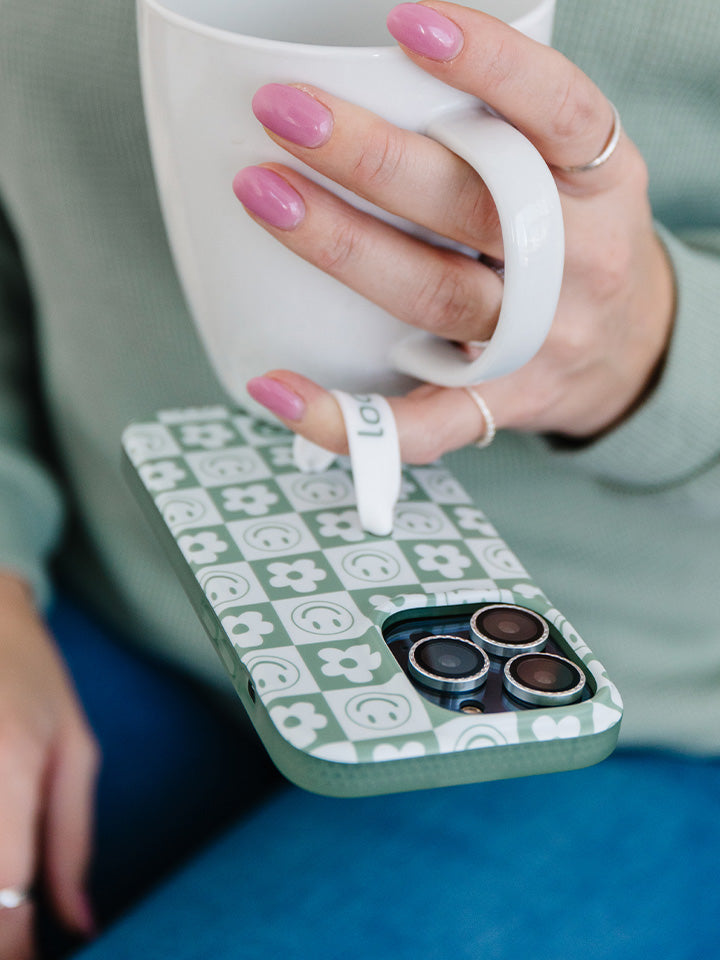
(256, 305)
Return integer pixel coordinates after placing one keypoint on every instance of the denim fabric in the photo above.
(616, 861)
(620, 861)
(176, 769)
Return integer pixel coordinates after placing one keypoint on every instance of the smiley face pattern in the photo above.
(292, 591)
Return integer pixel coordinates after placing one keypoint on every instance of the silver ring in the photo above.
(490, 429)
(607, 150)
(11, 897)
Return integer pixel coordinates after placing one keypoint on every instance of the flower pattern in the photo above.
(386, 751)
(548, 728)
(337, 692)
(202, 548)
(211, 436)
(254, 500)
(301, 575)
(161, 475)
(470, 518)
(446, 559)
(247, 629)
(298, 723)
(345, 524)
(356, 663)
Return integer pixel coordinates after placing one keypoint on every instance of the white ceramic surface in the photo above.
(258, 306)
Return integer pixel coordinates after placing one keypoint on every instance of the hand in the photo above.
(48, 763)
(614, 317)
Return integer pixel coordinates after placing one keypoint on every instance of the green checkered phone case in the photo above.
(366, 664)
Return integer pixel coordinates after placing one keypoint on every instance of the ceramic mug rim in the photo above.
(536, 8)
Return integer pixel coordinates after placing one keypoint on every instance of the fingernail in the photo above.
(425, 31)
(277, 398)
(293, 114)
(269, 197)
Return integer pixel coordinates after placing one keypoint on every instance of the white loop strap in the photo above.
(309, 457)
(374, 457)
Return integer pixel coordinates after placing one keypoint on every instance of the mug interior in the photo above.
(347, 23)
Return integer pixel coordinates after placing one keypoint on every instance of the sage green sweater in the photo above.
(624, 535)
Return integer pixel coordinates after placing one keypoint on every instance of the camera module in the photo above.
(543, 679)
(505, 629)
(448, 663)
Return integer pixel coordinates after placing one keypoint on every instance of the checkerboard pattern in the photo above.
(294, 592)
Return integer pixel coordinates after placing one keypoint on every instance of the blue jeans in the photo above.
(176, 770)
(616, 861)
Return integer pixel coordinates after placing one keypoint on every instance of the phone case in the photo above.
(295, 597)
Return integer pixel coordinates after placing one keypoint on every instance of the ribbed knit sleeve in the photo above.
(657, 61)
(30, 510)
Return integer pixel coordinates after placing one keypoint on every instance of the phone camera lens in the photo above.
(504, 630)
(447, 663)
(543, 679)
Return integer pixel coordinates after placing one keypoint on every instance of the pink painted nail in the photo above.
(425, 31)
(276, 397)
(269, 197)
(293, 114)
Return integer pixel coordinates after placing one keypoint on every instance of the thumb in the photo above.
(430, 420)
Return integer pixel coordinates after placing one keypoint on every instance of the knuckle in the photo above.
(499, 67)
(380, 157)
(476, 212)
(572, 110)
(570, 346)
(443, 303)
(340, 247)
(612, 268)
(84, 745)
(22, 756)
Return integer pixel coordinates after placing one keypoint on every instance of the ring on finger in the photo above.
(11, 897)
(490, 429)
(606, 152)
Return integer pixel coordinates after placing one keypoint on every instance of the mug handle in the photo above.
(531, 222)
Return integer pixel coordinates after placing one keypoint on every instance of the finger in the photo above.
(430, 420)
(442, 291)
(407, 174)
(535, 87)
(69, 826)
(16, 925)
(21, 770)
